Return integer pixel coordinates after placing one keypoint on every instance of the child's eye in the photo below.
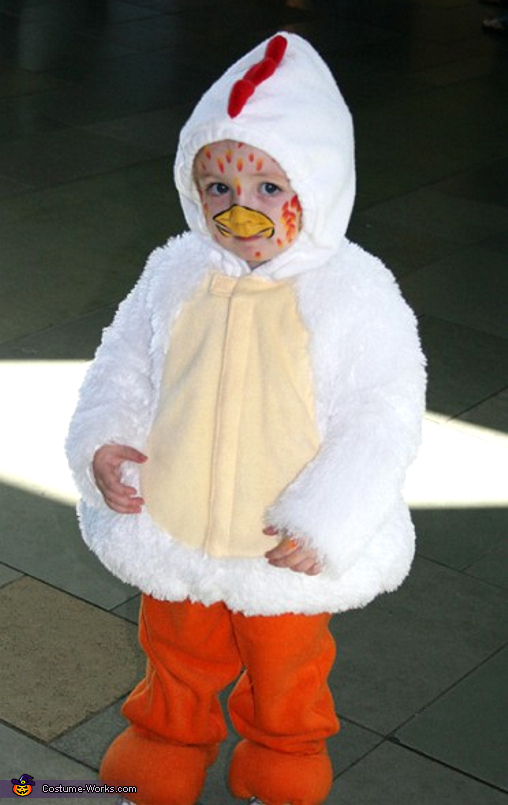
(217, 189)
(270, 189)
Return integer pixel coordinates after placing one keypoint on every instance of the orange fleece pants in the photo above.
(281, 706)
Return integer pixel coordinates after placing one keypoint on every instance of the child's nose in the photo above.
(240, 196)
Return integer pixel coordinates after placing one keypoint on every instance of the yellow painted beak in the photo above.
(240, 222)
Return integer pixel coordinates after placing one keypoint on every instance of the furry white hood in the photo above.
(297, 116)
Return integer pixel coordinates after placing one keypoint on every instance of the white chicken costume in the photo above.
(291, 396)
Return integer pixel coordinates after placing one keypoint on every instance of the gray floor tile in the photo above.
(367, 85)
(467, 68)
(464, 366)
(81, 246)
(446, 22)
(62, 156)
(156, 131)
(129, 610)
(402, 248)
(7, 574)
(41, 539)
(492, 413)
(428, 52)
(16, 82)
(16, 123)
(458, 537)
(466, 728)
(402, 651)
(470, 288)
(82, 658)
(119, 11)
(156, 32)
(493, 566)
(76, 340)
(119, 87)
(9, 188)
(416, 137)
(49, 37)
(466, 221)
(22, 755)
(350, 745)
(485, 184)
(498, 243)
(88, 742)
(392, 774)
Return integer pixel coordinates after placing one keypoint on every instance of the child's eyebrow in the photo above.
(280, 177)
(207, 177)
(274, 176)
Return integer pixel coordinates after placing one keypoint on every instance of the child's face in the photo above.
(249, 206)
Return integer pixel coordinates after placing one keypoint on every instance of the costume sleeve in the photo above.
(116, 392)
(371, 434)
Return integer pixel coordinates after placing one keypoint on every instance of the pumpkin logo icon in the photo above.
(23, 786)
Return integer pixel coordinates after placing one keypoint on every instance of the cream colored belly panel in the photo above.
(235, 422)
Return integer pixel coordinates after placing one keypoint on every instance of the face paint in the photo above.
(240, 222)
(256, 218)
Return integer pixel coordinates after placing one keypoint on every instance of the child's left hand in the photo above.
(291, 554)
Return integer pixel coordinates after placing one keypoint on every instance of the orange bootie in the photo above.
(163, 774)
(277, 778)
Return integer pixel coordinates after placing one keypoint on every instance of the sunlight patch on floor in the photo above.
(459, 465)
(37, 403)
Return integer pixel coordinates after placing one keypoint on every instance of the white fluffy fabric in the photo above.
(369, 382)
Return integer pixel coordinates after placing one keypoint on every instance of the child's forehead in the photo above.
(233, 152)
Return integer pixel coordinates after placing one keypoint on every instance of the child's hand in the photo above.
(291, 554)
(106, 465)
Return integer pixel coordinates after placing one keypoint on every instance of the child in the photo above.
(242, 436)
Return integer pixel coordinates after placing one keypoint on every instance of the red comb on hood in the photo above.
(255, 75)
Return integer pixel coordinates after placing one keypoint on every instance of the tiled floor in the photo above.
(92, 94)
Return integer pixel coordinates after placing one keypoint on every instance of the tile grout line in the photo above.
(392, 735)
(395, 742)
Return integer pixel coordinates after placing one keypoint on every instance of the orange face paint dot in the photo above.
(239, 164)
(257, 254)
(229, 155)
(251, 157)
(220, 163)
(208, 153)
(259, 164)
(238, 187)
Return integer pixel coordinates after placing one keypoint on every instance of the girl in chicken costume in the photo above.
(263, 388)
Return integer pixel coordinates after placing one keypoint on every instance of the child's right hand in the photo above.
(107, 464)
